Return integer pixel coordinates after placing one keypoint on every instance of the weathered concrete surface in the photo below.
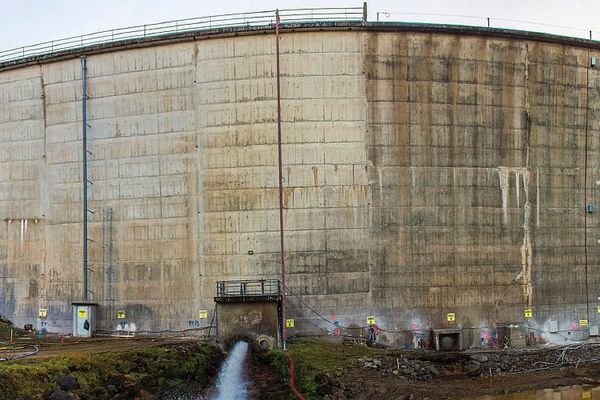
(425, 173)
(237, 321)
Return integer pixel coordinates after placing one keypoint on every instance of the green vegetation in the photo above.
(5, 331)
(318, 364)
(112, 374)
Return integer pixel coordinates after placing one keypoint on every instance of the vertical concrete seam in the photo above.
(585, 178)
(368, 39)
(44, 190)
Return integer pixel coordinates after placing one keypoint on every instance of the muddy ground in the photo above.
(361, 384)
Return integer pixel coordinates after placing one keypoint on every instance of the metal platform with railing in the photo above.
(258, 19)
(248, 290)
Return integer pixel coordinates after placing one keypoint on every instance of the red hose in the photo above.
(296, 392)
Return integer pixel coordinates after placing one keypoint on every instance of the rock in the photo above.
(66, 382)
(116, 380)
(472, 369)
(480, 357)
(509, 360)
(60, 394)
(433, 370)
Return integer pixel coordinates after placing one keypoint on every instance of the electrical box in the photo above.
(84, 319)
(553, 326)
(594, 330)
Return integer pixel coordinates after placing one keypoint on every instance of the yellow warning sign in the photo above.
(121, 314)
(42, 313)
(583, 322)
(203, 314)
(598, 309)
(451, 317)
(82, 313)
(587, 394)
(289, 323)
(371, 320)
(528, 313)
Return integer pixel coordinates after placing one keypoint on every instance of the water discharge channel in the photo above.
(232, 383)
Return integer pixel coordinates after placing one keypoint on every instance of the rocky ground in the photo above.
(327, 370)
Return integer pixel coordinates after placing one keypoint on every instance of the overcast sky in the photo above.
(24, 22)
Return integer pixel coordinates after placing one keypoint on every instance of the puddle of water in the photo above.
(564, 393)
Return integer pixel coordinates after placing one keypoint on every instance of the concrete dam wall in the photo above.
(425, 173)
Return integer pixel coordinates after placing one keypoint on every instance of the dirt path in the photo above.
(52, 346)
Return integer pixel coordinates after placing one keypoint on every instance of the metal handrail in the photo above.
(484, 21)
(136, 32)
(248, 288)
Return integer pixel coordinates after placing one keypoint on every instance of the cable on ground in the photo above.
(292, 368)
(35, 350)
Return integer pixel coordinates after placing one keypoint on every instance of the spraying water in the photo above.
(232, 383)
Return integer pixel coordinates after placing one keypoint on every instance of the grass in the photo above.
(313, 359)
(102, 375)
(5, 331)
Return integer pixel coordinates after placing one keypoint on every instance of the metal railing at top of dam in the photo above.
(266, 19)
(486, 21)
(236, 20)
(249, 288)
